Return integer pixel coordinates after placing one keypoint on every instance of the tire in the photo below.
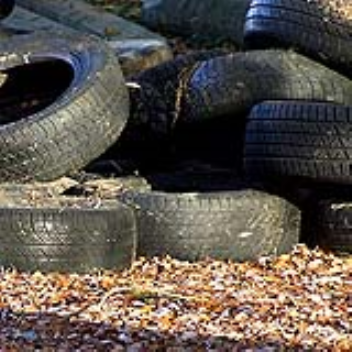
(154, 101)
(305, 140)
(241, 225)
(232, 84)
(333, 225)
(310, 27)
(69, 236)
(146, 139)
(6, 7)
(63, 103)
(206, 19)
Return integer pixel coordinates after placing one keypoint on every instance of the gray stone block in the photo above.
(137, 47)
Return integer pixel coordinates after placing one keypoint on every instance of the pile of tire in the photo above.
(275, 115)
(63, 102)
(306, 141)
(237, 147)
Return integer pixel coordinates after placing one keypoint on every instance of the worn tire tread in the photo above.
(67, 238)
(305, 140)
(192, 226)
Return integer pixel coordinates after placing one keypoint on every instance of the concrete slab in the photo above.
(22, 20)
(137, 47)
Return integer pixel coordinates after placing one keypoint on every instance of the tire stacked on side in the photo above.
(310, 142)
(231, 225)
(219, 92)
(221, 89)
(70, 235)
(314, 28)
(300, 140)
(63, 102)
(86, 112)
(232, 84)
(154, 95)
(200, 222)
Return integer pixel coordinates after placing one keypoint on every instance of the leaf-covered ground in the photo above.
(301, 301)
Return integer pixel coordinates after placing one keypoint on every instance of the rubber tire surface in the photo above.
(208, 19)
(155, 100)
(78, 124)
(241, 225)
(333, 226)
(232, 84)
(306, 140)
(67, 238)
(145, 141)
(310, 27)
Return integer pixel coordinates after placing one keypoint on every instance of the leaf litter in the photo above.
(297, 301)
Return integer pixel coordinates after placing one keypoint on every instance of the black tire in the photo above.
(310, 27)
(306, 140)
(232, 84)
(333, 226)
(146, 139)
(206, 19)
(75, 236)
(63, 103)
(240, 225)
(154, 101)
(6, 7)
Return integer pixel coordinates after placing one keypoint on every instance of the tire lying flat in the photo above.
(314, 28)
(240, 225)
(306, 140)
(232, 84)
(63, 103)
(70, 236)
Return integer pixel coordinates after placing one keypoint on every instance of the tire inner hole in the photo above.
(29, 88)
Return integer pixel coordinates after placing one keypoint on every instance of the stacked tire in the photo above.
(206, 118)
(268, 116)
(319, 29)
(305, 142)
(63, 102)
(188, 217)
